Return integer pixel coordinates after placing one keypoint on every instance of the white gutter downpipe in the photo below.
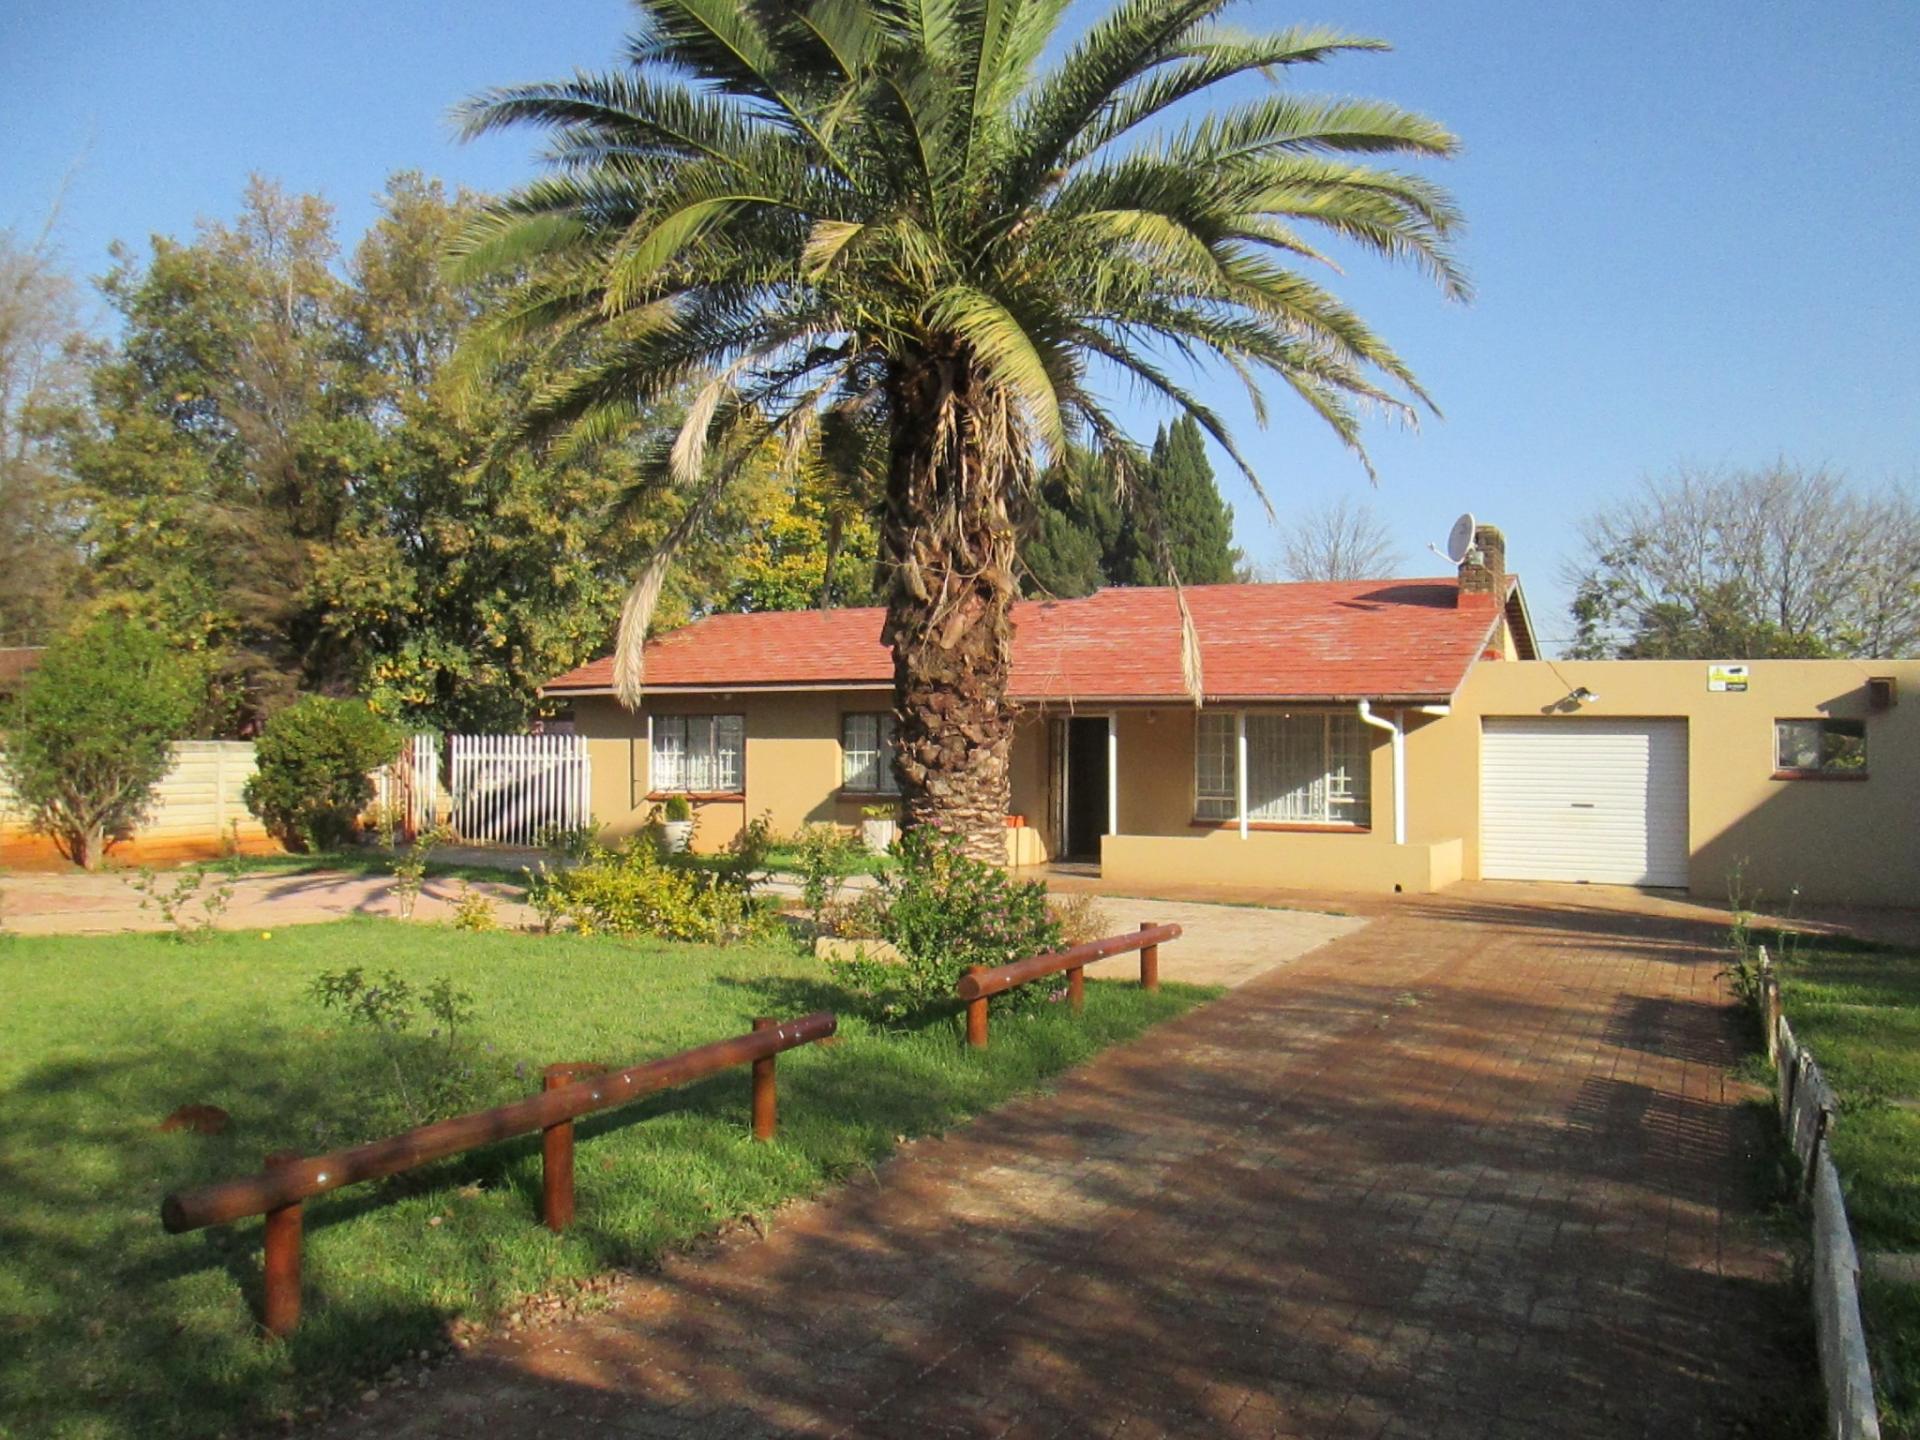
(1393, 728)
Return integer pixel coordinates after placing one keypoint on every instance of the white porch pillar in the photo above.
(1113, 772)
(1240, 768)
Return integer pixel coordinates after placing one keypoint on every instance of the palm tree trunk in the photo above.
(947, 544)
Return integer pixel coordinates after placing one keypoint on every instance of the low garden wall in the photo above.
(198, 812)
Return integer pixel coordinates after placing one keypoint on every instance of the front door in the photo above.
(1086, 787)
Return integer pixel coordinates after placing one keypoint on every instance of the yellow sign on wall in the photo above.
(1732, 678)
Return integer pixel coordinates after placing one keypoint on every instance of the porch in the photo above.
(1308, 796)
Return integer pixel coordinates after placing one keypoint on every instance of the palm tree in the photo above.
(885, 229)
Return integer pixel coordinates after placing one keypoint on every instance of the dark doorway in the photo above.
(1086, 786)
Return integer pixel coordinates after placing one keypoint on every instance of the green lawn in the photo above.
(111, 1328)
(1857, 1007)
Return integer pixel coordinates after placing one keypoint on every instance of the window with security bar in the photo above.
(1302, 769)
(866, 754)
(699, 754)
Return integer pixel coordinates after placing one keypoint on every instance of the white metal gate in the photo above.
(507, 789)
(1584, 799)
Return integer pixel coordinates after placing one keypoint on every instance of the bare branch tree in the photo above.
(1343, 540)
(41, 373)
(1715, 564)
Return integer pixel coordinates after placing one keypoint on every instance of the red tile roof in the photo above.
(1411, 639)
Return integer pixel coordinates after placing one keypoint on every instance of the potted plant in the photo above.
(878, 826)
(676, 824)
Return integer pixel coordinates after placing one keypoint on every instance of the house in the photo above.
(1392, 735)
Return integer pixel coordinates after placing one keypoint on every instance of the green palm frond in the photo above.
(1009, 352)
(781, 213)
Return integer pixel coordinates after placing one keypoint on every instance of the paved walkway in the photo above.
(76, 903)
(1477, 1170)
(1228, 945)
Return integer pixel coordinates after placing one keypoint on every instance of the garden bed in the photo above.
(115, 1329)
(1857, 1008)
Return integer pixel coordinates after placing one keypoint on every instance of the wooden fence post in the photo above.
(1149, 962)
(280, 1304)
(977, 1016)
(1077, 987)
(765, 1098)
(556, 1158)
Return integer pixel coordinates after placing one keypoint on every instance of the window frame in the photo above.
(886, 728)
(1330, 752)
(1856, 728)
(686, 723)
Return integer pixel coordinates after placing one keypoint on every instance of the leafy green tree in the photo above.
(225, 436)
(459, 578)
(90, 733)
(314, 762)
(901, 218)
(785, 555)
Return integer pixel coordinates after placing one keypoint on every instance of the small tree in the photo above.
(90, 734)
(315, 760)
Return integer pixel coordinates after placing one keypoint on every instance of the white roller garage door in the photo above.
(1579, 799)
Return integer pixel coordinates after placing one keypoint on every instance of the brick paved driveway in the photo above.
(1476, 1170)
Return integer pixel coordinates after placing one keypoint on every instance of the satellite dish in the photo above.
(1460, 538)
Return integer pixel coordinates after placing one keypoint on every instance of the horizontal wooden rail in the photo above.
(288, 1179)
(981, 982)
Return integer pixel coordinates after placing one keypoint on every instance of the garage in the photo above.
(1603, 801)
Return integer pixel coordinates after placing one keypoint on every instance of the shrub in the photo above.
(744, 861)
(677, 808)
(91, 733)
(409, 866)
(545, 896)
(178, 898)
(474, 910)
(313, 778)
(427, 1077)
(633, 891)
(567, 842)
(946, 911)
(826, 855)
(1080, 918)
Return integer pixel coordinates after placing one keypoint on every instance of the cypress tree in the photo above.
(1179, 495)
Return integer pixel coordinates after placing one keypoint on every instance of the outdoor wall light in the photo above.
(1584, 696)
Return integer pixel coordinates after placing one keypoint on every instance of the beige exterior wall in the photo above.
(1838, 841)
(792, 760)
(1285, 860)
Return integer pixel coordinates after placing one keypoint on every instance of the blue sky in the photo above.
(1694, 227)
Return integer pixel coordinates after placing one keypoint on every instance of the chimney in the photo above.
(1484, 571)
